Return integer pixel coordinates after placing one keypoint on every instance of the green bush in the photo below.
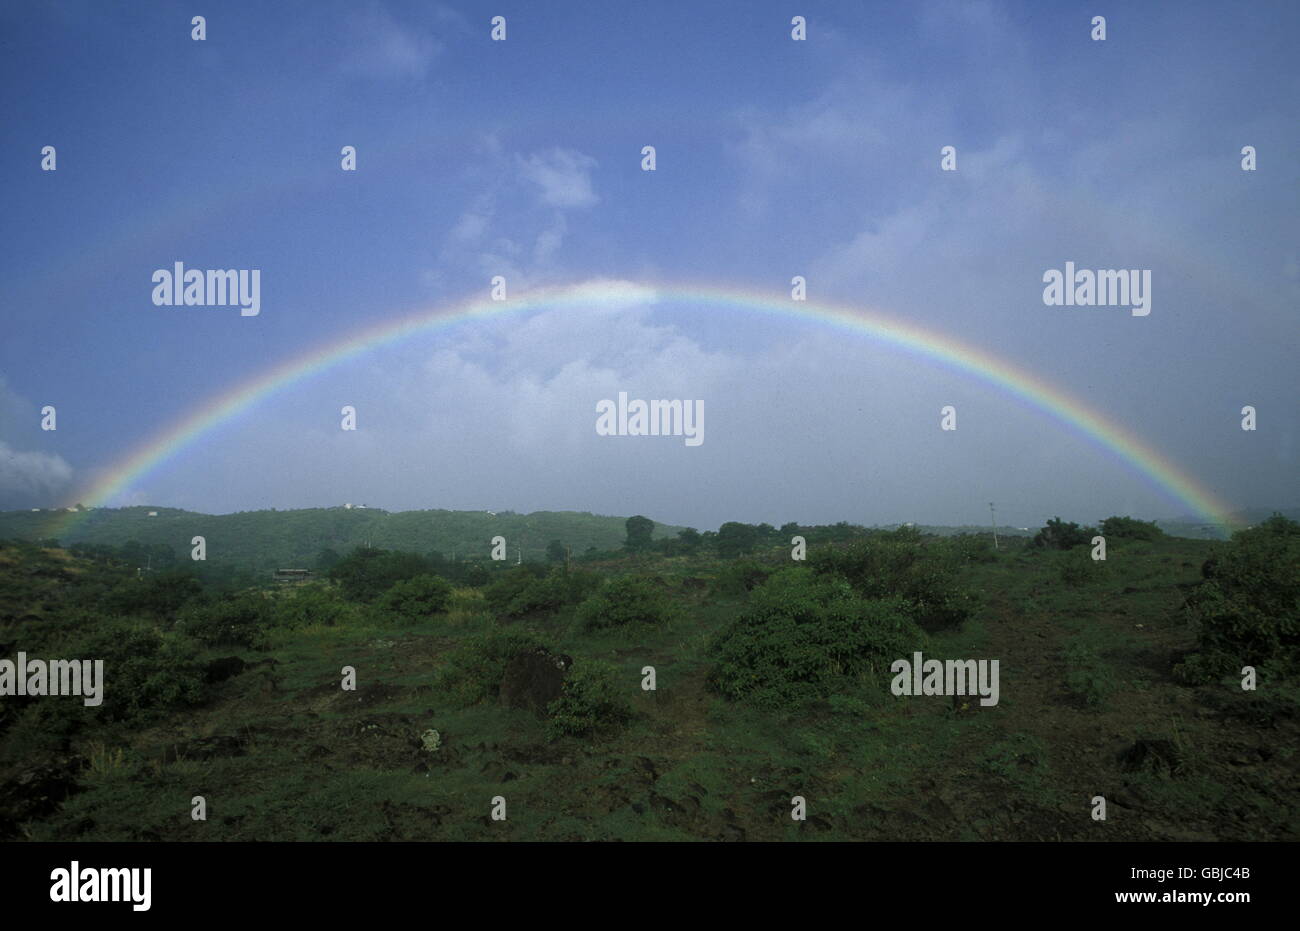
(899, 564)
(415, 599)
(591, 700)
(629, 599)
(802, 634)
(1247, 610)
(1077, 568)
(365, 574)
(239, 620)
(475, 668)
(1059, 535)
(741, 577)
(1130, 528)
(509, 586)
(1087, 678)
(551, 593)
(145, 670)
(158, 596)
(309, 605)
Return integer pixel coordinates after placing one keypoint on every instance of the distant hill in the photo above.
(293, 539)
(1188, 526)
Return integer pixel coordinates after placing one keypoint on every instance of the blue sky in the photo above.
(775, 158)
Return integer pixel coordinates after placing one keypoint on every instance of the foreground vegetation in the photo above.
(1120, 678)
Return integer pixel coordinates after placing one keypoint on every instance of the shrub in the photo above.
(145, 670)
(475, 668)
(239, 620)
(416, 599)
(900, 565)
(1087, 679)
(309, 605)
(1129, 528)
(801, 634)
(590, 700)
(1247, 610)
(741, 576)
(366, 574)
(630, 599)
(510, 586)
(1077, 568)
(549, 594)
(158, 596)
(1059, 535)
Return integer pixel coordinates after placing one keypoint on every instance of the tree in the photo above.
(327, 559)
(555, 551)
(735, 539)
(416, 598)
(639, 532)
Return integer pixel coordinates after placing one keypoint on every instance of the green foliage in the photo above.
(146, 670)
(416, 599)
(549, 594)
(690, 539)
(630, 599)
(1247, 610)
(742, 576)
(555, 551)
(735, 539)
(1088, 679)
(899, 564)
(1060, 535)
(590, 700)
(239, 620)
(969, 548)
(475, 668)
(802, 634)
(1130, 528)
(367, 573)
(309, 605)
(640, 531)
(1077, 568)
(158, 596)
(509, 585)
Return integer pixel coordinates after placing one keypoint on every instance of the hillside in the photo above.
(295, 538)
(771, 685)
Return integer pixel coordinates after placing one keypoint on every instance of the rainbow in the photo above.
(943, 350)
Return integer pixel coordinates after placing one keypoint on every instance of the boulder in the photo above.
(533, 679)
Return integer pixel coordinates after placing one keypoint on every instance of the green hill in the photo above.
(279, 539)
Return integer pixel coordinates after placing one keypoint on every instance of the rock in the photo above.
(430, 740)
(1151, 756)
(36, 791)
(227, 667)
(533, 679)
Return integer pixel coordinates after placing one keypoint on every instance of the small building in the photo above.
(153, 513)
(293, 575)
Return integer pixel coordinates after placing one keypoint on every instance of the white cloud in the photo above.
(563, 177)
(385, 49)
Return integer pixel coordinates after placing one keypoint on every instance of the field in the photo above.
(243, 706)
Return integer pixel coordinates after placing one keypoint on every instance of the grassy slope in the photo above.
(267, 540)
(316, 762)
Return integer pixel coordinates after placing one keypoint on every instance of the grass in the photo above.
(1081, 678)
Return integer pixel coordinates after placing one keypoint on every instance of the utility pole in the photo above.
(994, 518)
